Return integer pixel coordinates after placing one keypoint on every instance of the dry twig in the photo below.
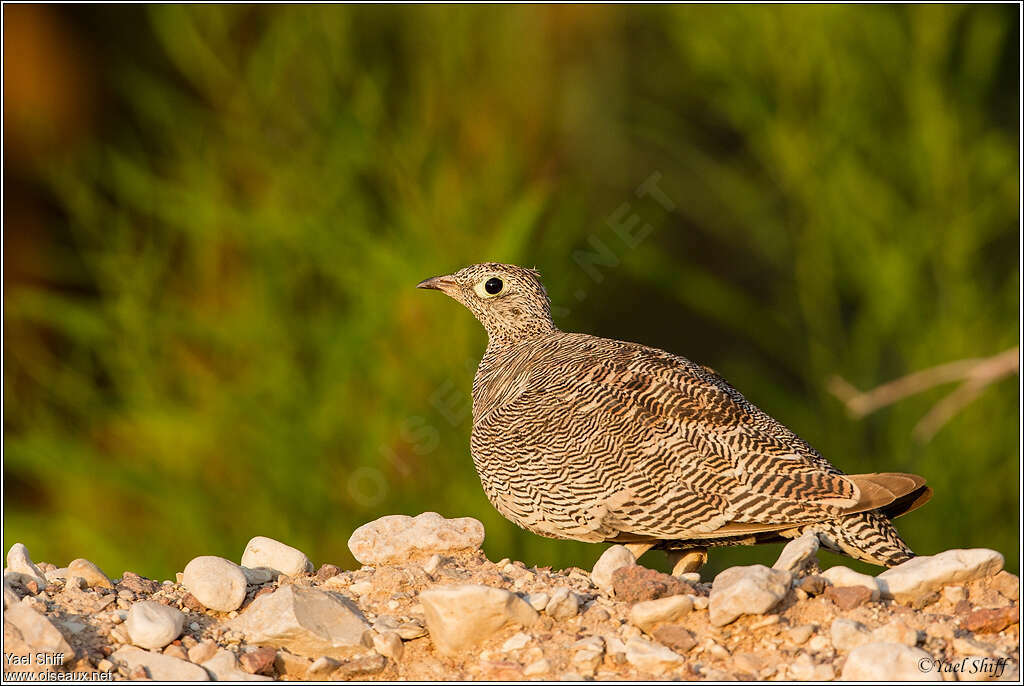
(976, 374)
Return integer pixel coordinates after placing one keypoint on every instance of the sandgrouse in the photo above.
(592, 439)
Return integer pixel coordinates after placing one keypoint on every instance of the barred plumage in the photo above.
(593, 439)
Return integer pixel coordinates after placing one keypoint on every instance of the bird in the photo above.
(599, 440)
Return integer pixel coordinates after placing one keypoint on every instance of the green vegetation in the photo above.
(219, 336)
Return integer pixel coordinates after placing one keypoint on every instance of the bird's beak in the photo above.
(445, 284)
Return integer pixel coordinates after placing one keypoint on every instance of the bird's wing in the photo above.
(619, 439)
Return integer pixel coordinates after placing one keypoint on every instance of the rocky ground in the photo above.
(427, 604)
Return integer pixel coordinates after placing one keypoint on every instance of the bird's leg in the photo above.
(690, 560)
(638, 549)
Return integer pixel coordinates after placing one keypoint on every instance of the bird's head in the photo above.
(509, 301)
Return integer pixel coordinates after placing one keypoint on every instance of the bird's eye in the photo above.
(490, 287)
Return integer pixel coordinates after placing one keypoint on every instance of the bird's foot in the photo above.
(684, 561)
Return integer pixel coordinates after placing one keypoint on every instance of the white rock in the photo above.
(818, 643)
(844, 576)
(652, 657)
(798, 553)
(896, 632)
(411, 630)
(700, 602)
(93, 575)
(397, 538)
(923, 575)
(19, 561)
(159, 666)
(800, 634)
(461, 616)
(880, 662)
(389, 644)
(276, 556)
(432, 564)
(649, 613)
(153, 625)
(564, 604)
(515, 642)
(27, 632)
(261, 575)
(321, 667)
(361, 587)
(803, 668)
(537, 667)
(615, 557)
(538, 601)
(10, 596)
(217, 583)
(749, 590)
(223, 666)
(306, 621)
(954, 594)
(848, 634)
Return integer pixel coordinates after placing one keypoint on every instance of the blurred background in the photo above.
(215, 217)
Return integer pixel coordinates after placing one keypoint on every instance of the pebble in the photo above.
(515, 642)
(258, 660)
(800, 634)
(411, 630)
(676, 637)
(176, 651)
(896, 632)
(18, 561)
(93, 575)
(432, 564)
(322, 667)
(361, 587)
(397, 538)
(990, 621)
(538, 601)
(615, 557)
(700, 602)
(635, 583)
(804, 668)
(651, 657)
(461, 616)
(133, 583)
(159, 667)
(848, 634)
(848, 597)
(690, 577)
(202, 651)
(1007, 585)
(257, 576)
(564, 604)
(798, 554)
(954, 594)
(217, 583)
(647, 614)
(923, 575)
(306, 621)
(879, 662)
(261, 551)
(813, 584)
(389, 644)
(153, 625)
(27, 632)
(749, 590)
(846, 577)
(818, 643)
(537, 668)
(224, 667)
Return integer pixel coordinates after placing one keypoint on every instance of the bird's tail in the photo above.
(866, 536)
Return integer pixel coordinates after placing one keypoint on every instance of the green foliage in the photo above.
(228, 342)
